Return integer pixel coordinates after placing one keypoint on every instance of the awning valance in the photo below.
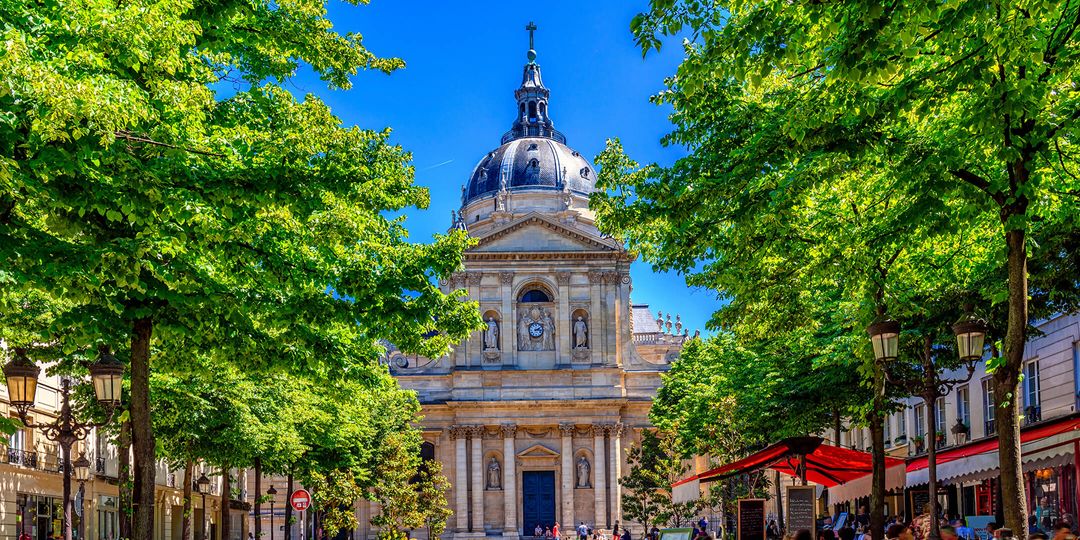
(1042, 445)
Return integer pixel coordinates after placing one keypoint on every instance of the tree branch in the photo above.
(979, 182)
(129, 136)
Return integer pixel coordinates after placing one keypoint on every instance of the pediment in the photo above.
(537, 232)
(537, 451)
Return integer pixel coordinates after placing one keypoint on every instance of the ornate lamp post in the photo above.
(21, 375)
(202, 485)
(273, 495)
(82, 474)
(970, 334)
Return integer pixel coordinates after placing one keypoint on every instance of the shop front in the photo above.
(968, 476)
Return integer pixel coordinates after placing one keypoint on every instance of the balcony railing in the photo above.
(1032, 414)
(99, 465)
(22, 458)
(989, 428)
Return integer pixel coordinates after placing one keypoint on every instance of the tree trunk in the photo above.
(226, 495)
(123, 453)
(1006, 388)
(877, 449)
(779, 502)
(288, 506)
(142, 432)
(258, 499)
(185, 525)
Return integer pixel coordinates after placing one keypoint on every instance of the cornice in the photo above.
(535, 218)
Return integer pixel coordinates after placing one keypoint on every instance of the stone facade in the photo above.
(531, 416)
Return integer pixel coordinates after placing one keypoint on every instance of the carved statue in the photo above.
(549, 331)
(581, 333)
(583, 473)
(524, 343)
(491, 337)
(567, 198)
(494, 475)
(502, 201)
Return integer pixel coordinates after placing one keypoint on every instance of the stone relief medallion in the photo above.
(536, 330)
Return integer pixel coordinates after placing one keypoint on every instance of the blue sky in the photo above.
(454, 99)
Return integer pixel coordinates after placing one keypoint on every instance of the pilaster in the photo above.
(461, 486)
(509, 324)
(562, 348)
(615, 432)
(509, 431)
(477, 473)
(567, 454)
(599, 485)
(597, 317)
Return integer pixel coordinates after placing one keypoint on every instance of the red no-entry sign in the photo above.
(300, 500)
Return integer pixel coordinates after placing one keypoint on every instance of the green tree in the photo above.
(432, 487)
(160, 209)
(655, 464)
(398, 499)
(976, 98)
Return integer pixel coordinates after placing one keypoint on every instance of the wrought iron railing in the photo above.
(99, 465)
(989, 428)
(24, 458)
(1032, 414)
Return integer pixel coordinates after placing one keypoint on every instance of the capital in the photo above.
(567, 429)
(474, 278)
(596, 276)
(563, 278)
(597, 430)
(507, 278)
(458, 432)
(476, 431)
(509, 430)
(616, 429)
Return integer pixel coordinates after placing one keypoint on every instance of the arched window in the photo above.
(535, 295)
(532, 110)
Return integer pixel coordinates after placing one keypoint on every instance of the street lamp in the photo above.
(273, 495)
(202, 485)
(21, 376)
(885, 337)
(82, 474)
(970, 333)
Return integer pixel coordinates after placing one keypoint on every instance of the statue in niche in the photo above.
(523, 332)
(581, 333)
(491, 336)
(583, 473)
(494, 475)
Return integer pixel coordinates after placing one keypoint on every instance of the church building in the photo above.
(531, 417)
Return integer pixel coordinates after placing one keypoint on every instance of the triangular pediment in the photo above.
(537, 232)
(537, 451)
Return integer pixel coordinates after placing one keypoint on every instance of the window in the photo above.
(988, 407)
(920, 420)
(17, 440)
(963, 405)
(901, 424)
(1032, 405)
(888, 431)
(940, 414)
(535, 295)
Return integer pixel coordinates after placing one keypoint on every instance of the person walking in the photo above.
(555, 531)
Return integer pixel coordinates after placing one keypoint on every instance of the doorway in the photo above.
(537, 500)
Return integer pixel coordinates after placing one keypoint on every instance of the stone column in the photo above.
(461, 486)
(615, 461)
(567, 431)
(477, 479)
(510, 481)
(509, 324)
(563, 345)
(599, 486)
(597, 342)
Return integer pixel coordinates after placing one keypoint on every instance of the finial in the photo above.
(531, 27)
(678, 323)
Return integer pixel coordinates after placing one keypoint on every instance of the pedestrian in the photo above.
(547, 533)
(899, 531)
(583, 531)
(991, 529)
(1004, 533)
(1061, 528)
(555, 531)
(538, 532)
(772, 531)
(703, 523)
(948, 533)
(625, 534)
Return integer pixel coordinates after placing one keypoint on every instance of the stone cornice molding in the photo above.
(480, 256)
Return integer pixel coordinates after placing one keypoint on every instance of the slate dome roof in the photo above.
(531, 163)
(533, 155)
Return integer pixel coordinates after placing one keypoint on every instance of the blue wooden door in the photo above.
(537, 500)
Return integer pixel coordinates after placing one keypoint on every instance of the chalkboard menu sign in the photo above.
(801, 509)
(751, 519)
(919, 500)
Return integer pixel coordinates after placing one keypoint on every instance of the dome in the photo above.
(531, 163)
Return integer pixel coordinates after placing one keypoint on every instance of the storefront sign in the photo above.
(751, 519)
(801, 509)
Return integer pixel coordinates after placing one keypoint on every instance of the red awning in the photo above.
(1027, 435)
(826, 465)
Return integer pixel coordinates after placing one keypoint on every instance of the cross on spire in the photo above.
(531, 27)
